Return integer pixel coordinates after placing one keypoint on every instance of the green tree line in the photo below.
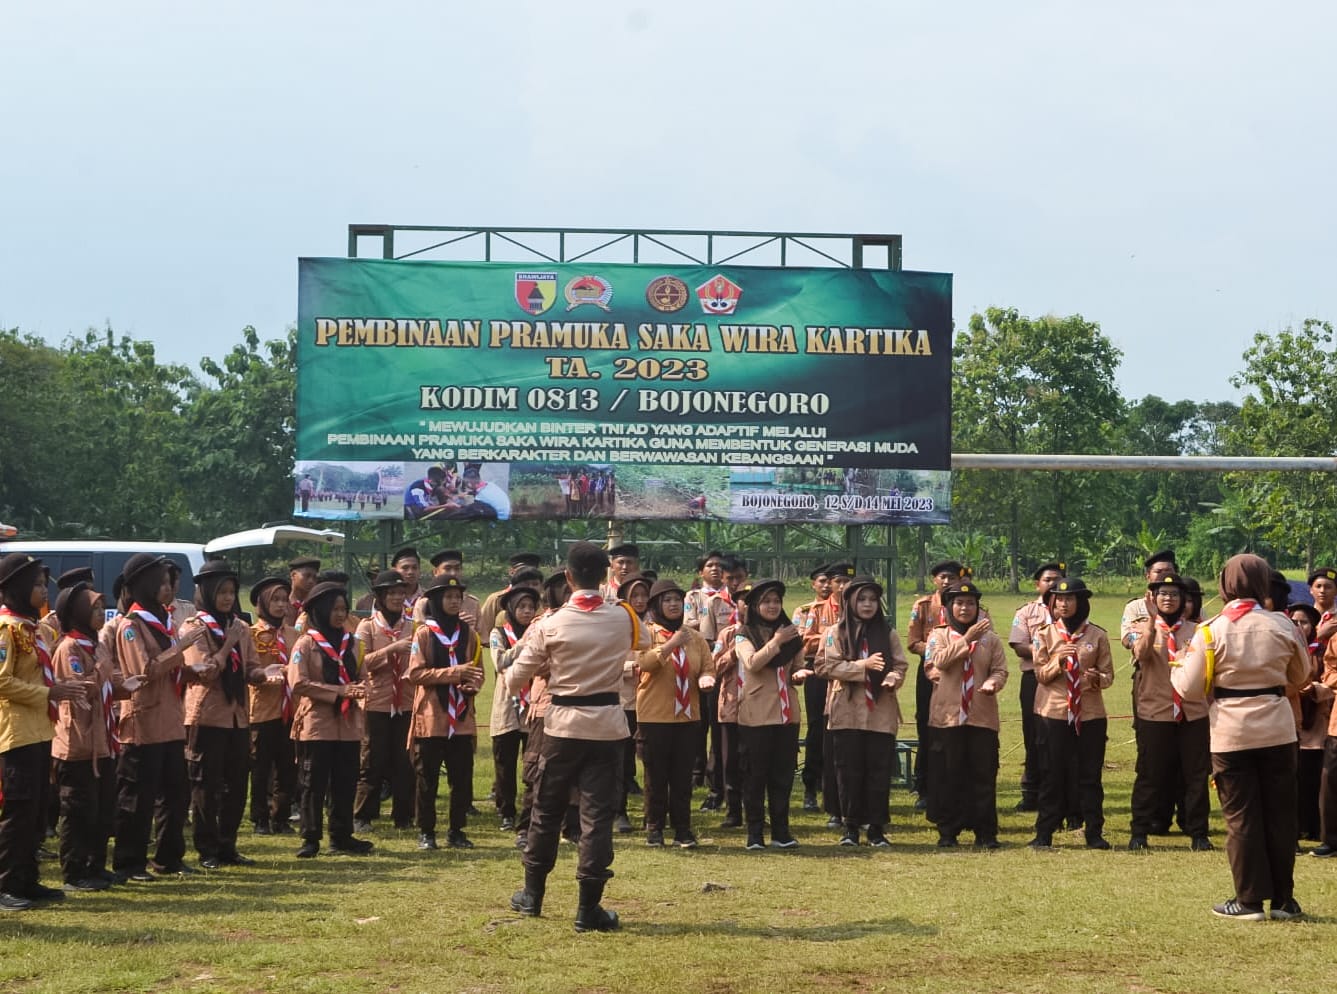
(103, 440)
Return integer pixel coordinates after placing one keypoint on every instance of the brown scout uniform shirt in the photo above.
(760, 701)
(656, 695)
(846, 707)
(945, 665)
(728, 677)
(431, 720)
(266, 702)
(81, 733)
(206, 704)
(1155, 695)
(317, 716)
(1093, 655)
(383, 668)
(1026, 624)
(156, 711)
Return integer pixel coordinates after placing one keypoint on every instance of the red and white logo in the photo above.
(719, 295)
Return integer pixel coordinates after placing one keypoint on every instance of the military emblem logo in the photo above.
(666, 294)
(719, 295)
(588, 290)
(535, 292)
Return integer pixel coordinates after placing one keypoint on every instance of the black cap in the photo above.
(822, 570)
(947, 566)
(304, 562)
(1060, 568)
(961, 588)
(446, 556)
(261, 585)
(445, 583)
(525, 559)
(1164, 556)
(841, 569)
(407, 552)
(1323, 573)
(214, 568)
(80, 574)
(526, 574)
(386, 579)
(141, 562)
(1169, 580)
(1070, 585)
(756, 591)
(15, 563)
(628, 549)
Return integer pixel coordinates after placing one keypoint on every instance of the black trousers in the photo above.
(529, 769)
(707, 762)
(87, 790)
(26, 774)
(328, 768)
(1327, 792)
(830, 784)
(628, 758)
(769, 756)
(152, 791)
(968, 774)
(457, 754)
(1030, 773)
(814, 733)
(863, 762)
(1256, 788)
(923, 699)
(1073, 768)
(1174, 760)
(506, 749)
(218, 765)
(384, 755)
(592, 770)
(667, 750)
(1308, 777)
(273, 772)
(731, 764)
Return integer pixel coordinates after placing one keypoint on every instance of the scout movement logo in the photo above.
(719, 295)
(667, 294)
(535, 292)
(588, 290)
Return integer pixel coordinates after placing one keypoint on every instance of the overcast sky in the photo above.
(1165, 169)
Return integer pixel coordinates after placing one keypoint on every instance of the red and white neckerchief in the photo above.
(586, 600)
(967, 677)
(1074, 677)
(786, 709)
(345, 703)
(1237, 609)
(457, 704)
(1172, 648)
(522, 698)
(682, 682)
(396, 666)
(216, 630)
(86, 646)
(43, 657)
(724, 595)
(869, 697)
(168, 631)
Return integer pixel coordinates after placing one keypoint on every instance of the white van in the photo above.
(108, 558)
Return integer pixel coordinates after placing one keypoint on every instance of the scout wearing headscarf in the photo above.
(820, 617)
(728, 694)
(1313, 711)
(516, 609)
(668, 713)
(770, 659)
(444, 669)
(327, 684)
(450, 562)
(1173, 755)
(273, 767)
(1029, 619)
(1072, 668)
(384, 641)
(487, 611)
(862, 658)
(31, 696)
(968, 667)
(927, 613)
(66, 580)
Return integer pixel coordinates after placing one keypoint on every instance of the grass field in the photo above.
(820, 918)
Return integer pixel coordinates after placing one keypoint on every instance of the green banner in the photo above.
(456, 390)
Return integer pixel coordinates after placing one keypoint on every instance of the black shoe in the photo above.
(711, 803)
(921, 803)
(877, 840)
(634, 789)
(141, 876)
(784, 842)
(508, 825)
(685, 840)
(1096, 842)
(41, 892)
(622, 824)
(850, 837)
(211, 863)
(755, 843)
(810, 800)
(86, 885)
(990, 844)
(1026, 804)
(284, 828)
(1138, 843)
(175, 870)
(309, 850)
(835, 821)
(1239, 911)
(458, 840)
(654, 838)
(525, 903)
(427, 840)
(46, 855)
(732, 821)
(1041, 842)
(1201, 844)
(946, 841)
(13, 902)
(596, 919)
(521, 840)
(262, 828)
(235, 859)
(361, 825)
(351, 847)
(1287, 910)
(472, 811)
(1323, 851)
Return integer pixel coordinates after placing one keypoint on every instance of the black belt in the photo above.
(1226, 692)
(586, 700)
